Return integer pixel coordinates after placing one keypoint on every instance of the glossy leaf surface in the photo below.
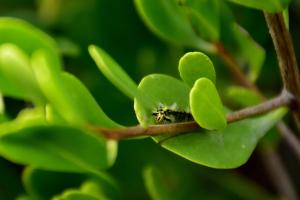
(68, 95)
(169, 21)
(55, 148)
(205, 17)
(206, 105)
(16, 76)
(227, 148)
(195, 65)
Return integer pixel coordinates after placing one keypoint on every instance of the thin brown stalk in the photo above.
(286, 59)
(180, 128)
(277, 173)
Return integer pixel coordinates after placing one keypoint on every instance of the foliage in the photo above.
(66, 157)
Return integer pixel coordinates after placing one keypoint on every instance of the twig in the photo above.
(290, 138)
(275, 165)
(178, 128)
(277, 173)
(286, 133)
(286, 58)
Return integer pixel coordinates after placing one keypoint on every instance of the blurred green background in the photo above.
(115, 26)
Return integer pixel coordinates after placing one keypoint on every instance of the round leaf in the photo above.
(223, 149)
(164, 90)
(195, 65)
(206, 105)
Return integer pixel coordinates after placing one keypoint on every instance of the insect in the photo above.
(165, 114)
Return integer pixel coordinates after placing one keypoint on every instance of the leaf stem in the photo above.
(180, 128)
(286, 59)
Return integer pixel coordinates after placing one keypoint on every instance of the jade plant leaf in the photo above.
(195, 65)
(155, 184)
(242, 96)
(266, 5)
(114, 72)
(169, 21)
(16, 76)
(206, 105)
(50, 148)
(28, 38)
(67, 94)
(227, 148)
(167, 91)
(205, 17)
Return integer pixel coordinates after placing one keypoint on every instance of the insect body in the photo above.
(164, 115)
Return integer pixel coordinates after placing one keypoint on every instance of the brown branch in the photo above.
(286, 58)
(180, 128)
(290, 138)
(270, 161)
(235, 69)
(277, 173)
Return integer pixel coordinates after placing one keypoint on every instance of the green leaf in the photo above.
(166, 91)
(205, 17)
(286, 17)
(2, 106)
(68, 95)
(155, 184)
(67, 47)
(253, 62)
(271, 6)
(92, 188)
(28, 38)
(242, 96)
(241, 45)
(26, 118)
(75, 195)
(169, 21)
(195, 65)
(206, 105)
(45, 184)
(16, 77)
(227, 148)
(119, 78)
(55, 148)
(114, 72)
